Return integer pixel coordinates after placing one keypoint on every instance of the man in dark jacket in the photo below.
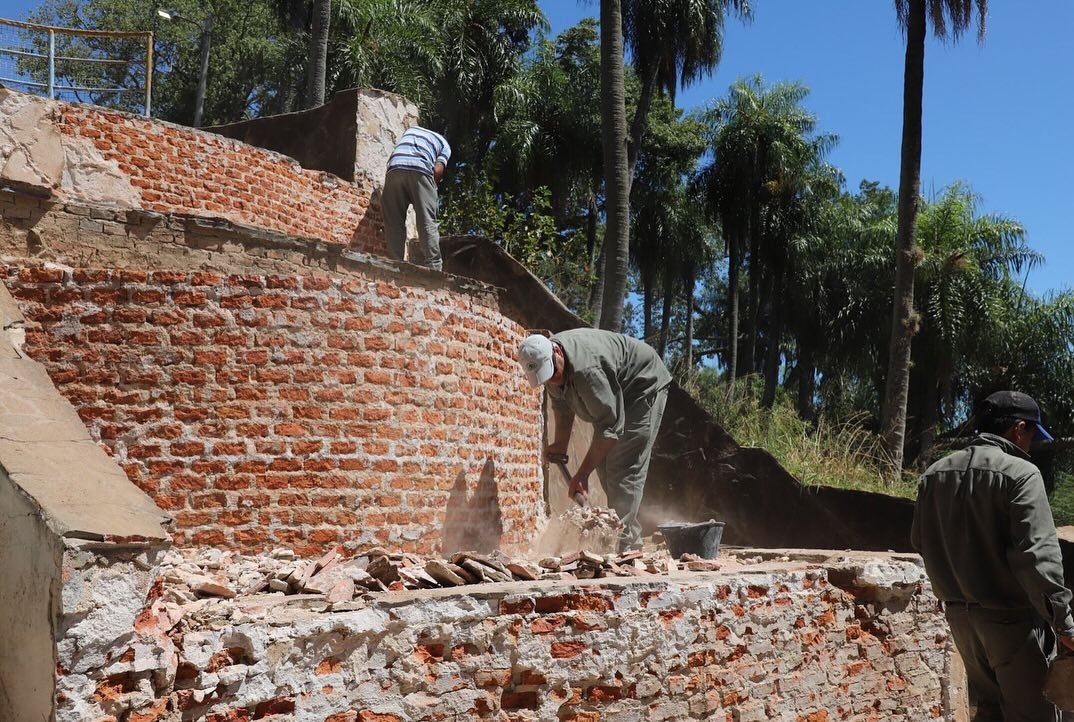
(985, 530)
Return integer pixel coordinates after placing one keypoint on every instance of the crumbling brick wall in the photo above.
(173, 169)
(306, 411)
(775, 642)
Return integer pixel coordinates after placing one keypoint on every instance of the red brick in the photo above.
(366, 715)
(280, 705)
(566, 650)
(518, 700)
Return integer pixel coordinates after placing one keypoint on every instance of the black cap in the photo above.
(1014, 405)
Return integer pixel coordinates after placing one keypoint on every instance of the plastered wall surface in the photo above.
(775, 641)
(305, 411)
(30, 557)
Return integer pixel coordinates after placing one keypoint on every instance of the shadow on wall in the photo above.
(698, 471)
(473, 521)
(371, 225)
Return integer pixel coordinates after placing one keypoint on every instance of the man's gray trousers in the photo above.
(624, 469)
(1006, 653)
(404, 188)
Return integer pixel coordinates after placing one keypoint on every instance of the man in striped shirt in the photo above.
(415, 168)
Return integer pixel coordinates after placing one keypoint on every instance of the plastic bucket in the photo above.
(702, 539)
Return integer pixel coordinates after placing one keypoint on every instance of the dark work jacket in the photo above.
(985, 530)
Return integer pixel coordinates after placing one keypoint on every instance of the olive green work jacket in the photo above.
(984, 527)
(607, 373)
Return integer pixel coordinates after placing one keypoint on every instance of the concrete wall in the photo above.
(106, 588)
(810, 638)
(350, 136)
(59, 491)
(30, 557)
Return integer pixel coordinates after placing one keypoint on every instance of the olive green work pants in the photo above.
(625, 468)
(1006, 653)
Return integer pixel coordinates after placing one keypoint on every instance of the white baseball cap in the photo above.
(535, 357)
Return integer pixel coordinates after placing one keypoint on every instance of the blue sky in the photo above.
(997, 115)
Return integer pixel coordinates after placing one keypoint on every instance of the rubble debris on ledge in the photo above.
(203, 586)
(190, 575)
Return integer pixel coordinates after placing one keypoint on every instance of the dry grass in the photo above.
(841, 454)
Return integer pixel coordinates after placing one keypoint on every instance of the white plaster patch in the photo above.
(31, 151)
(89, 176)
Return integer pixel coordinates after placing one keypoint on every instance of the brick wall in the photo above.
(775, 642)
(304, 411)
(173, 169)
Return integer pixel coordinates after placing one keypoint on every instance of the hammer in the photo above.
(560, 460)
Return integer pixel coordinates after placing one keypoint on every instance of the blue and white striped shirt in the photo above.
(420, 149)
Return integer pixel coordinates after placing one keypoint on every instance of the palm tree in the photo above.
(395, 45)
(549, 124)
(673, 43)
(913, 16)
(968, 262)
(756, 133)
(836, 299)
(1039, 335)
(318, 52)
(448, 56)
(799, 188)
(616, 167)
(669, 156)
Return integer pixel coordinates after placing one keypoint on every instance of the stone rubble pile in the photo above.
(193, 574)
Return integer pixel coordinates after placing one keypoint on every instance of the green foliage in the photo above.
(549, 123)
(527, 231)
(448, 56)
(1063, 500)
(840, 453)
(246, 55)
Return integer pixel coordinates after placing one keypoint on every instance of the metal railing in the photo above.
(111, 67)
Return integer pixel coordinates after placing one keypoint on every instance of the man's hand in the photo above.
(1067, 642)
(556, 453)
(578, 486)
(438, 172)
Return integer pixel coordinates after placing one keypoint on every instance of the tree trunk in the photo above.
(616, 171)
(904, 323)
(318, 55)
(647, 303)
(591, 220)
(688, 290)
(775, 334)
(596, 294)
(930, 419)
(665, 316)
(749, 362)
(807, 380)
(288, 98)
(733, 263)
(641, 121)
